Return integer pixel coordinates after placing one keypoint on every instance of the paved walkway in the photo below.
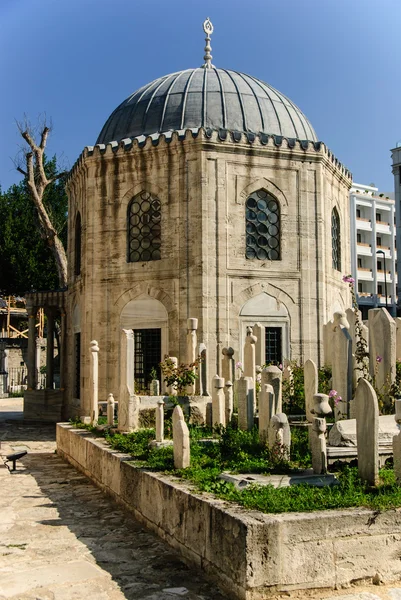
(63, 539)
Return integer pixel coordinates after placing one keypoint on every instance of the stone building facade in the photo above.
(207, 195)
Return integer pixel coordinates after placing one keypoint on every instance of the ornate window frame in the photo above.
(262, 226)
(144, 228)
(335, 240)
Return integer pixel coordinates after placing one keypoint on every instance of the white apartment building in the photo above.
(373, 248)
(396, 156)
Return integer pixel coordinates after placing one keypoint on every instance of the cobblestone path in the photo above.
(63, 539)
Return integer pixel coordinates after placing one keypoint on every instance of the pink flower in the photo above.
(280, 366)
(337, 400)
(379, 359)
(332, 393)
(348, 279)
(238, 365)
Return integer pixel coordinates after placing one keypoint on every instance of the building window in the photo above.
(358, 213)
(378, 241)
(359, 263)
(378, 217)
(273, 345)
(77, 245)
(358, 238)
(335, 240)
(262, 227)
(379, 290)
(360, 288)
(379, 265)
(147, 355)
(144, 228)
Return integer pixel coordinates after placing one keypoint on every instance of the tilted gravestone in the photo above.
(181, 445)
(367, 432)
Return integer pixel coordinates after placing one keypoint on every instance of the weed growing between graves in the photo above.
(230, 449)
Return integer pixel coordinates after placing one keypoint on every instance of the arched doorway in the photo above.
(148, 318)
(274, 317)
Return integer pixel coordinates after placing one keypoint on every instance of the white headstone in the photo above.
(155, 387)
(160, 420)
(128, 403)
(192, 344)
(110, 410)
(382, 347)
(274, 376)
(341, 359)
(311, 387)
(218, 402)
(94, 382)
(245, 392)
(266, 408)
(229, 400)
(367, 432)
(181, 445)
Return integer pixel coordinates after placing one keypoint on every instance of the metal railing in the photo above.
(15, 380)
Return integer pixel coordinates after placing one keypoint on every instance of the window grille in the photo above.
(262, 227)
(144, 228)
(335, 240)
(273, 344)
(147, 355)
(77, 245)
(77, 365)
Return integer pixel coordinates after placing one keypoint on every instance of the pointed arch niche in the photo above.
(149, 320)
(274, 316)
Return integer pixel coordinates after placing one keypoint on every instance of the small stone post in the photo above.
(155, 387)
(317, 433)
(367, 432)
(128, 403)
(249, 356)
(171, 390)
(191, 349)
(229, 400)
(260, 350)
(266, 407)
(181, 446)
(218, 402)
(94, 382)
(246, 401)
(203, 371)
(274, 377)
(160, 421)
(280, 435)
(310, 384)
(110, 410)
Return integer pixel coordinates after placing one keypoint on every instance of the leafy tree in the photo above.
(26, 262)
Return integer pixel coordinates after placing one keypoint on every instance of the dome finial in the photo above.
(208, 29)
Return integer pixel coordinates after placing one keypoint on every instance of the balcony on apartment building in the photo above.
(363, 224)
(365, 274)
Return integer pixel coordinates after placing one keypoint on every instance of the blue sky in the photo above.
(76, 60)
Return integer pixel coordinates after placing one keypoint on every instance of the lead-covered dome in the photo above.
(211, 98)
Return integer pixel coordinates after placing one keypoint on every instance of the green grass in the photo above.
(241, 452)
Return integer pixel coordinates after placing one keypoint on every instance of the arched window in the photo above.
(144, 228)
(262, 226)
(77, 245)
(335, 240)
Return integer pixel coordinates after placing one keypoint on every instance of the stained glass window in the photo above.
(262, 226)
(144, 228)
(335, 240)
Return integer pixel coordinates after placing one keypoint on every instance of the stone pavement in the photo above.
(63, 539)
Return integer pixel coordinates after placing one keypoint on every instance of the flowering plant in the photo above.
(179, 376)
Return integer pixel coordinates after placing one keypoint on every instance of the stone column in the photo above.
(249, 356)
(191, 349)
(31, 358)
(62, 350)
(50, 350)
(128, 403)
(38, 352)
(266, 407)
(218, 402)
(94, 382)
(260, 348)
(246, 403)
(160, 421)
(110, 410)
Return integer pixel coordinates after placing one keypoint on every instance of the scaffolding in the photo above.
(13, 312)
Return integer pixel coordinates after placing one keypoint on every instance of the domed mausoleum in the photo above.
(207, 195)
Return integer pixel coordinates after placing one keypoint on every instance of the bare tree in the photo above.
(37, 182)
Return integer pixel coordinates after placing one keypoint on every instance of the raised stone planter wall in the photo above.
(248, 553)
